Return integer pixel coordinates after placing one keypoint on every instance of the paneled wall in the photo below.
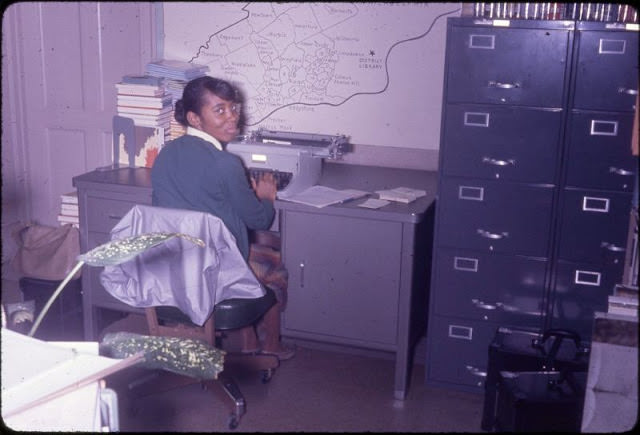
(59, 65)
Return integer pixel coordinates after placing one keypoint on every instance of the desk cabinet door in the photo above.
(343, 279)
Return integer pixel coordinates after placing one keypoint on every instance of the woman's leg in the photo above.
(269, 333)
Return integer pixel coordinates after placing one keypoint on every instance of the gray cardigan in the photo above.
(190, 173)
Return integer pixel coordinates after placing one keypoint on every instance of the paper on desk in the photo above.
(322, 196)
(401, 194)
(374, 203)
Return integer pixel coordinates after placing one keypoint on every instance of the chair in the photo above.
(192, 292)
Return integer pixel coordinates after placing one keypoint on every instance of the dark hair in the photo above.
(191, 100)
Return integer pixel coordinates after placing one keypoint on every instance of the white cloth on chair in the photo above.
(178, 272)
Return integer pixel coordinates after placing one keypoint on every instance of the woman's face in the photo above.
(217, 117)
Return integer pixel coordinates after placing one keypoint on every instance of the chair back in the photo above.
(179, 273)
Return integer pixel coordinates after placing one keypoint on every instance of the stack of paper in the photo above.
(176, 69)
(401, 194)
(69, 213)
(322, 196)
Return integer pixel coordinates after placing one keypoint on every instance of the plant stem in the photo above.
(53, 297)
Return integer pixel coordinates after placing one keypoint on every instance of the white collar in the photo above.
(203, 135)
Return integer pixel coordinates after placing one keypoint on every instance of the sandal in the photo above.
(282, 355)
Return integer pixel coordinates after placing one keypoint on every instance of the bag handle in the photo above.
(558, 335)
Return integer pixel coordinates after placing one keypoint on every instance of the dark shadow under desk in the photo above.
(357, 277)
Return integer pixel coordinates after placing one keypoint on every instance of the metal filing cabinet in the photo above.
(517, 163)
(598, 177)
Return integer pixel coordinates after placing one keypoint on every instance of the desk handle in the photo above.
(302, 274)
(627, 91)
(494, 236)
(495, 84)
(483, 305)
(620, 171)
(611, 247)
(498, 162)
(476, 371)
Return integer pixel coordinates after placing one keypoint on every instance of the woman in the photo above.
(194, 172)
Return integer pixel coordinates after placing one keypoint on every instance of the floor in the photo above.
(319, 390)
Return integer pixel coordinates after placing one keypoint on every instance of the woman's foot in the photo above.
(282, 353)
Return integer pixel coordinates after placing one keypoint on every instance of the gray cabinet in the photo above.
(337, 268)
(535, 184)
(104, 197)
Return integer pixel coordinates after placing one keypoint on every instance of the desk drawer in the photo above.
(458, 351)
(104, 213)
(505, 289)
(506, 143)
(493, 216)
(599, 152)
(594, 225)
(580, 290)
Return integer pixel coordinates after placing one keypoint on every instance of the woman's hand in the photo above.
(265, 186)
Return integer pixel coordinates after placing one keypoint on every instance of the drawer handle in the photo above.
(112, 216)
(497, 162)
(494, 236)
(611, 247)
(494, 84)
(483, 305)
(623, 90)
(302, 274)
(512, 309)
(476, 371)
(619, 171)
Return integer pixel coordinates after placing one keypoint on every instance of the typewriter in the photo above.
(295, 159)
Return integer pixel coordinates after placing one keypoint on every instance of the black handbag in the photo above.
(521, 350)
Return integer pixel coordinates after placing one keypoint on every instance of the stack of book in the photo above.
(69, 209)
(401, 194)
(624, 300)
(143, 99)
(175, 75)
(176, 69)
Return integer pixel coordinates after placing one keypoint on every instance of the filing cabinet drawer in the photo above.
(494, 142)
(504, 289)
(495, 216)
(607, 70)
(594, 225)
(458, 351)
(104, 213)
(581, 289)
(507, 66)
(600, 151)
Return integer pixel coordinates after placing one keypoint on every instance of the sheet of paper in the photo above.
(374, 203)
(322, 196)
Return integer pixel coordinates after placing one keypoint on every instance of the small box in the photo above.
(63, 321)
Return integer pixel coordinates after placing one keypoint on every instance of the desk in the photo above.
(357, 277)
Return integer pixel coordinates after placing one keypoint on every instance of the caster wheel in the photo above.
(266, 375)
(233, 422)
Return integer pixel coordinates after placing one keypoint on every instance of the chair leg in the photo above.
(228, 389)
